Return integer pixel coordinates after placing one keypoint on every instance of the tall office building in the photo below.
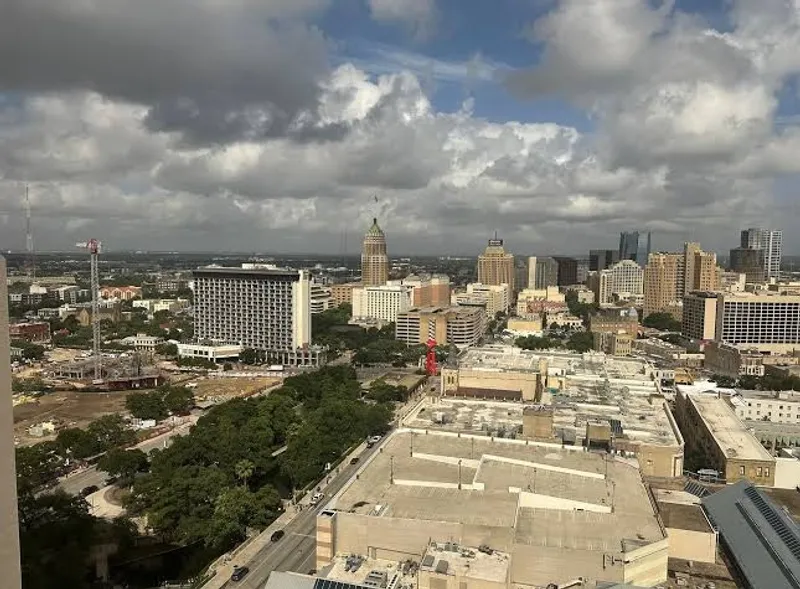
(381, 303)
(567, 271)
(748, 261)
(9, 523)
(495, 265)
(633, 247)
(771, 243)
(374, 258)
(542, 272)
(602, 259)
(261, 308)
(668, 277)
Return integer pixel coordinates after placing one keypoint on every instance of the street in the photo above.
(296, 551)
(75, 483)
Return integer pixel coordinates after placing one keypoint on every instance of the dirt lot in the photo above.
(69, 408)
(228, 388)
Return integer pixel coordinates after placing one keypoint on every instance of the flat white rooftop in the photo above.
(728, 430)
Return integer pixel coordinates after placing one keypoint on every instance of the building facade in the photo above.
(542, 272)
(748, 261)
(458, 326)
(624, 277)
(768, 323)
(496, 266)
(602, 259)
(9, 523)
(122, 293)
(498, 296)
(567, 270)
(717, 439)
(770, 242)
(633, 247)
(699, 315)
(380, 304)
(374, 257)
(427, 291)
(261, 308)
(343, 293)
(668, 277)
(36, 332)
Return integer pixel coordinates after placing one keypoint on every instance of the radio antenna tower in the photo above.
(94, 251)
(30, 261)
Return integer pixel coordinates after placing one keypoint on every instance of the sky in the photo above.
(283, 125)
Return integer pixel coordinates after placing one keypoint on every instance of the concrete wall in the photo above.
(660, 461)
(647, 566)
(759, 472)
(507, 381)
(692, 545)
(433, 580)
(9, 525)
(787, 473)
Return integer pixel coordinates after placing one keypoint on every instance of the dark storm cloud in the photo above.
(203, 66)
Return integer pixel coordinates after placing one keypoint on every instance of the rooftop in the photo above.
(681, 510)
(448, 558)
(729, 432)
(564, 502)
(503, 357)
(230, 271)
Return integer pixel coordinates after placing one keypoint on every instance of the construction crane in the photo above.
(93, 246)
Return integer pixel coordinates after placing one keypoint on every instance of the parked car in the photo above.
(316, 498)
(277, 535)
(239, 573)
(354, 460)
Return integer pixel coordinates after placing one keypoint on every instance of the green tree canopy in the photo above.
(662, 321)
(124, 464)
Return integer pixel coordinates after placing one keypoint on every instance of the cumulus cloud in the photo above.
(165, 130)
(213, 70)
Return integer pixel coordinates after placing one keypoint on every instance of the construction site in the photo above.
(117, 373)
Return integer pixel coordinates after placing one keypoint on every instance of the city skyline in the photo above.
(556, 124)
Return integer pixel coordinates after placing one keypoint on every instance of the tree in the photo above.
(56, 535)
(146, 405)
(532, 342)
(244, 470)
(177, 400)
(37, 466)
(30, 351)
(580, 341)
(252, 357)
(111, 432)
(662, 321)
(78, 443)
(167, 349)
(124, 464)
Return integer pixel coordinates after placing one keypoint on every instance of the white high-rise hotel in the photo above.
(771, 243)
(261, 308)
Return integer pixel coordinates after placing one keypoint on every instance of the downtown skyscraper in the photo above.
(374, 257)
(770, 241)
(633, 246)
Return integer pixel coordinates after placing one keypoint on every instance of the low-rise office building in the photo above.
(766, 322)
(717, 439)
(619, 321)
(498, 296)
(343, 293)
(33, 332)
(613, 344)
(773, 406)
(735, 361)
(213, 352)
